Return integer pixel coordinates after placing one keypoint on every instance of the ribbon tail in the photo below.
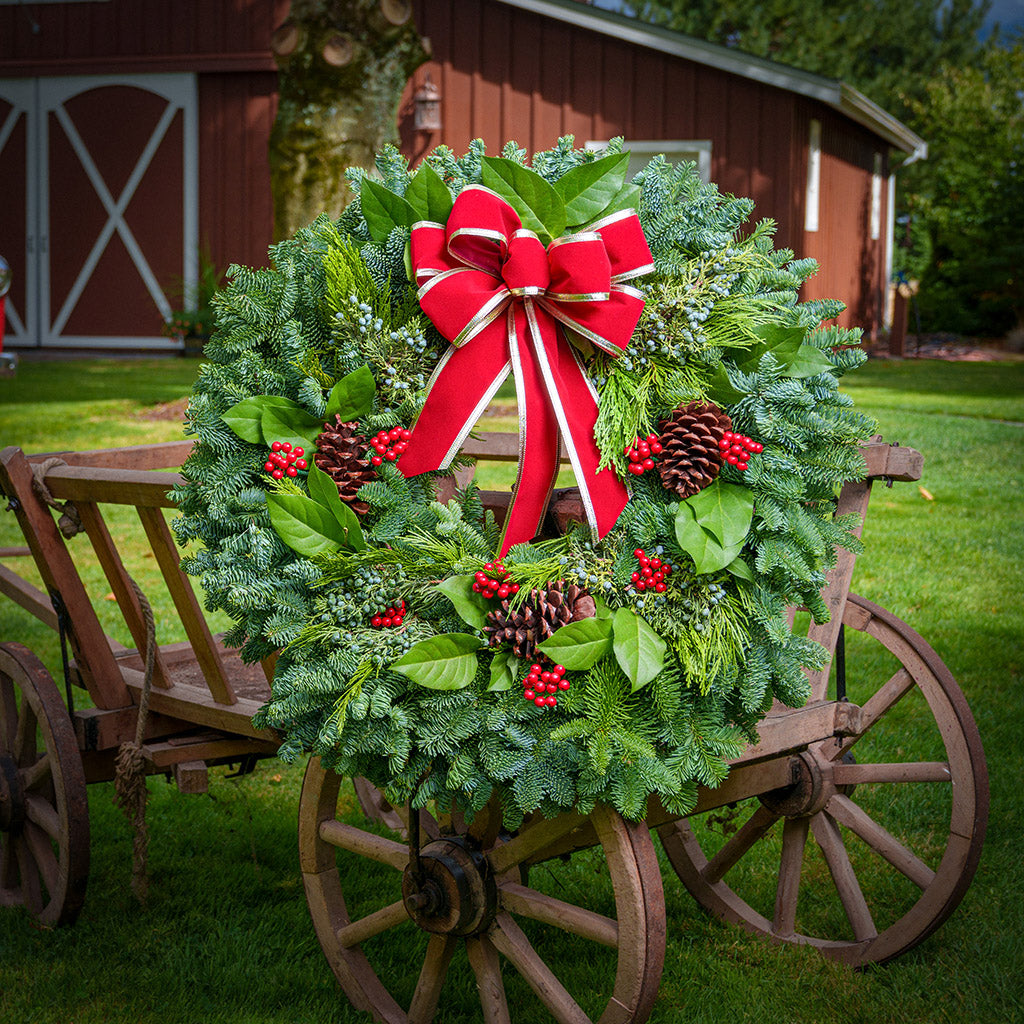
(575, 409)
(461, 388)
(538, 441)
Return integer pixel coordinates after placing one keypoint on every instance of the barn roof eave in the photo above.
(836, 94)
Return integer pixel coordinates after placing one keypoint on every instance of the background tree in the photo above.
(889, 49)
(970, 193)
(343, 66)
(923, 60)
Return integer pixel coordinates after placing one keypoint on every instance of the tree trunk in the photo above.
(343, 66)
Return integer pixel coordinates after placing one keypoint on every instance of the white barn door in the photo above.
(115, 231)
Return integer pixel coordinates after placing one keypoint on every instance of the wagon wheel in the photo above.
(44, 813)
(392, 940)
(897, 854)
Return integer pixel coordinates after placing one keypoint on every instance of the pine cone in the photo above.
(339, 453)
(691, 458)
(543, 613)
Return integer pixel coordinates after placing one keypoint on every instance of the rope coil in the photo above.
(70, 522)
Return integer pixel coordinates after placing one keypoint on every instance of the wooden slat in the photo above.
(165, 754)
(826, 832)
(28, 596)
(144, 488)
(373, 924)
(92, 653)
(440, 950)
(197, 706)
(853, 498)
(191, 615)
(168, 455)
(117, 576)
(106, 728)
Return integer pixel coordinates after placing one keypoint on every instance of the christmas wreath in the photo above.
(447, 655)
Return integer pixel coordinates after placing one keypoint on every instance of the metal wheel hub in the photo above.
(811, 789)
(454, 893)
(12, 796)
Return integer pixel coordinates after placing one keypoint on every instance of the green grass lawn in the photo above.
(226, 937)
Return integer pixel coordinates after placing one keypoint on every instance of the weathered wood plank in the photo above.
(27, 596)
(120, 583)
(191, 615)
(59, 573)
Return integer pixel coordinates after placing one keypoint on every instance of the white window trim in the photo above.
(647, 148)
(876, 199)
(812, 199)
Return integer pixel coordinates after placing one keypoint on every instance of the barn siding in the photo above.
(504, 73)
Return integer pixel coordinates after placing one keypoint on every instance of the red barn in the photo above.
(132, 134)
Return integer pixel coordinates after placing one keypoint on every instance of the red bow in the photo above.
(487, 280)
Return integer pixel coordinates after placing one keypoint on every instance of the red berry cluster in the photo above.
(389, 444)
(652, 573)
(541, 685)
(392, 617)
(492, 581)
(284, 460)
(736, 449)
(639, 454)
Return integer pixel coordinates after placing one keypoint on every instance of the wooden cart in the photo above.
(886, 738)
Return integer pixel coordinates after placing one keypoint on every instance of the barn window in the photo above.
(876, 198)
(813, 177)
(676, 151)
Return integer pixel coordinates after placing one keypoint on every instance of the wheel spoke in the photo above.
(31, 890)
(44, 856)
(878, 705)
(791, 862)
(25, 737)
(8, 714)
(440, 950)
(847, 813)
(364, 844)
(483, 958)
(532, 840)
(826, 832)
(8, 865)
(37, 774)
(510, 941)
(518, 899)
(373, 924)
(44, 815)
(899, 771)
(749, 833)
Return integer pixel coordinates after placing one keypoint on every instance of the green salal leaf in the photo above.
(503, 672)
(587, 190)
(788, 347)
(638, 649)
(284, 420)
(724, 510)
(384, 210)
(470, 606)
(706, 550)
(305, 525)
(720, 389)
(324, 491)
(539, 206)
(579, 645)
(444, 662)
(352, 396)
(807, 362)
(740, 570)
(627, 198)
(245, 417)
(428, 195)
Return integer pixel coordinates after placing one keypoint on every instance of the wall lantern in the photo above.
(427, 115)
